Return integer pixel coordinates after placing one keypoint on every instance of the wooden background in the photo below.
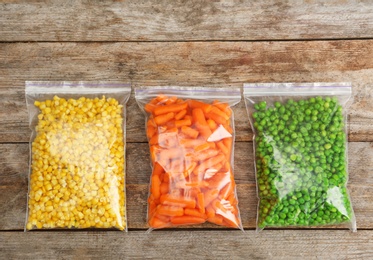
(193, 43)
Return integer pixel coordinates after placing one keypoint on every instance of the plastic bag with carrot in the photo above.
(191, 139)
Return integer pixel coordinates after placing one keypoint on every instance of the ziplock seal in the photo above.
(189, 92)
(71, 87)
(296, 89)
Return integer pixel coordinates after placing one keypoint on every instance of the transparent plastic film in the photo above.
(301, 153)
(191, 140)
(77, 167)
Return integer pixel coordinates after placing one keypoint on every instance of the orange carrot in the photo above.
(171, 211)
(158, 169)
(210, 212)
(156, 182)
(180, 115)
(162, 119)
(194, 212)
(201, 168)
(197, 104)
(218, 119)
(201, 202)
(149, 107)
(189, 132)
(200, 122)
(150, 131)
(216, 219)
(154, 139)
(210, 195)
(206, 154)
(222, 147)
(190, 143)
(212, 124)
(157, 223)
(231, 221)
(164, 188)
(180, 202)
(202, 147)
(174, 108)
(223, 107)
(226, 191)
(187, 220)
(218, 112)
(184, 122)
(190, 169)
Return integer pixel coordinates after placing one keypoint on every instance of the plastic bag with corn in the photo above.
(77, 168)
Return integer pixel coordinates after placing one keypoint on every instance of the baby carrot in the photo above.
(212, 124)
(162, 119)
(206, 154)
(150, 131)
(149, 107)
(187, 220)
(226, 191)
(180, 115)
(197, 104)
(200, 122)
(201, 202)
(191, 143)
(218, 112)
(154, 139)
(184, 122)
(156, 182)
(174, 108)
(171, 211)
(157, 223)
(210, 195)
(201, 168)
(218, 119)
(216, 219)
(202, 147)
(223, 107)
(158, 169)
(180, 202)
(222, 147)
(189, 132)
(164, 188)
(210, 212)
(194, 212)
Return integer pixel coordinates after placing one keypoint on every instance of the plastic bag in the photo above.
(77, 169)
(301, 153)
(191, 139)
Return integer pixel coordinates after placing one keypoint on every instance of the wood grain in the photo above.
(13, 184)
(284, 244)
(206, 64)
(184, 21)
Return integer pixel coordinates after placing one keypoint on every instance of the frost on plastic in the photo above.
(301, 153)
(191, 139)
(77, 165)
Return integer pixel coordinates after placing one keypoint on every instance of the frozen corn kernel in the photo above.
(77, 171)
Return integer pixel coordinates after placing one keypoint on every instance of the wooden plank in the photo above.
(13, 184)
(184, 21)
(218, 63)
(284, 244)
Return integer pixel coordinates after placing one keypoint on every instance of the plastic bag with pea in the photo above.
(77, 168)
(301, 153)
